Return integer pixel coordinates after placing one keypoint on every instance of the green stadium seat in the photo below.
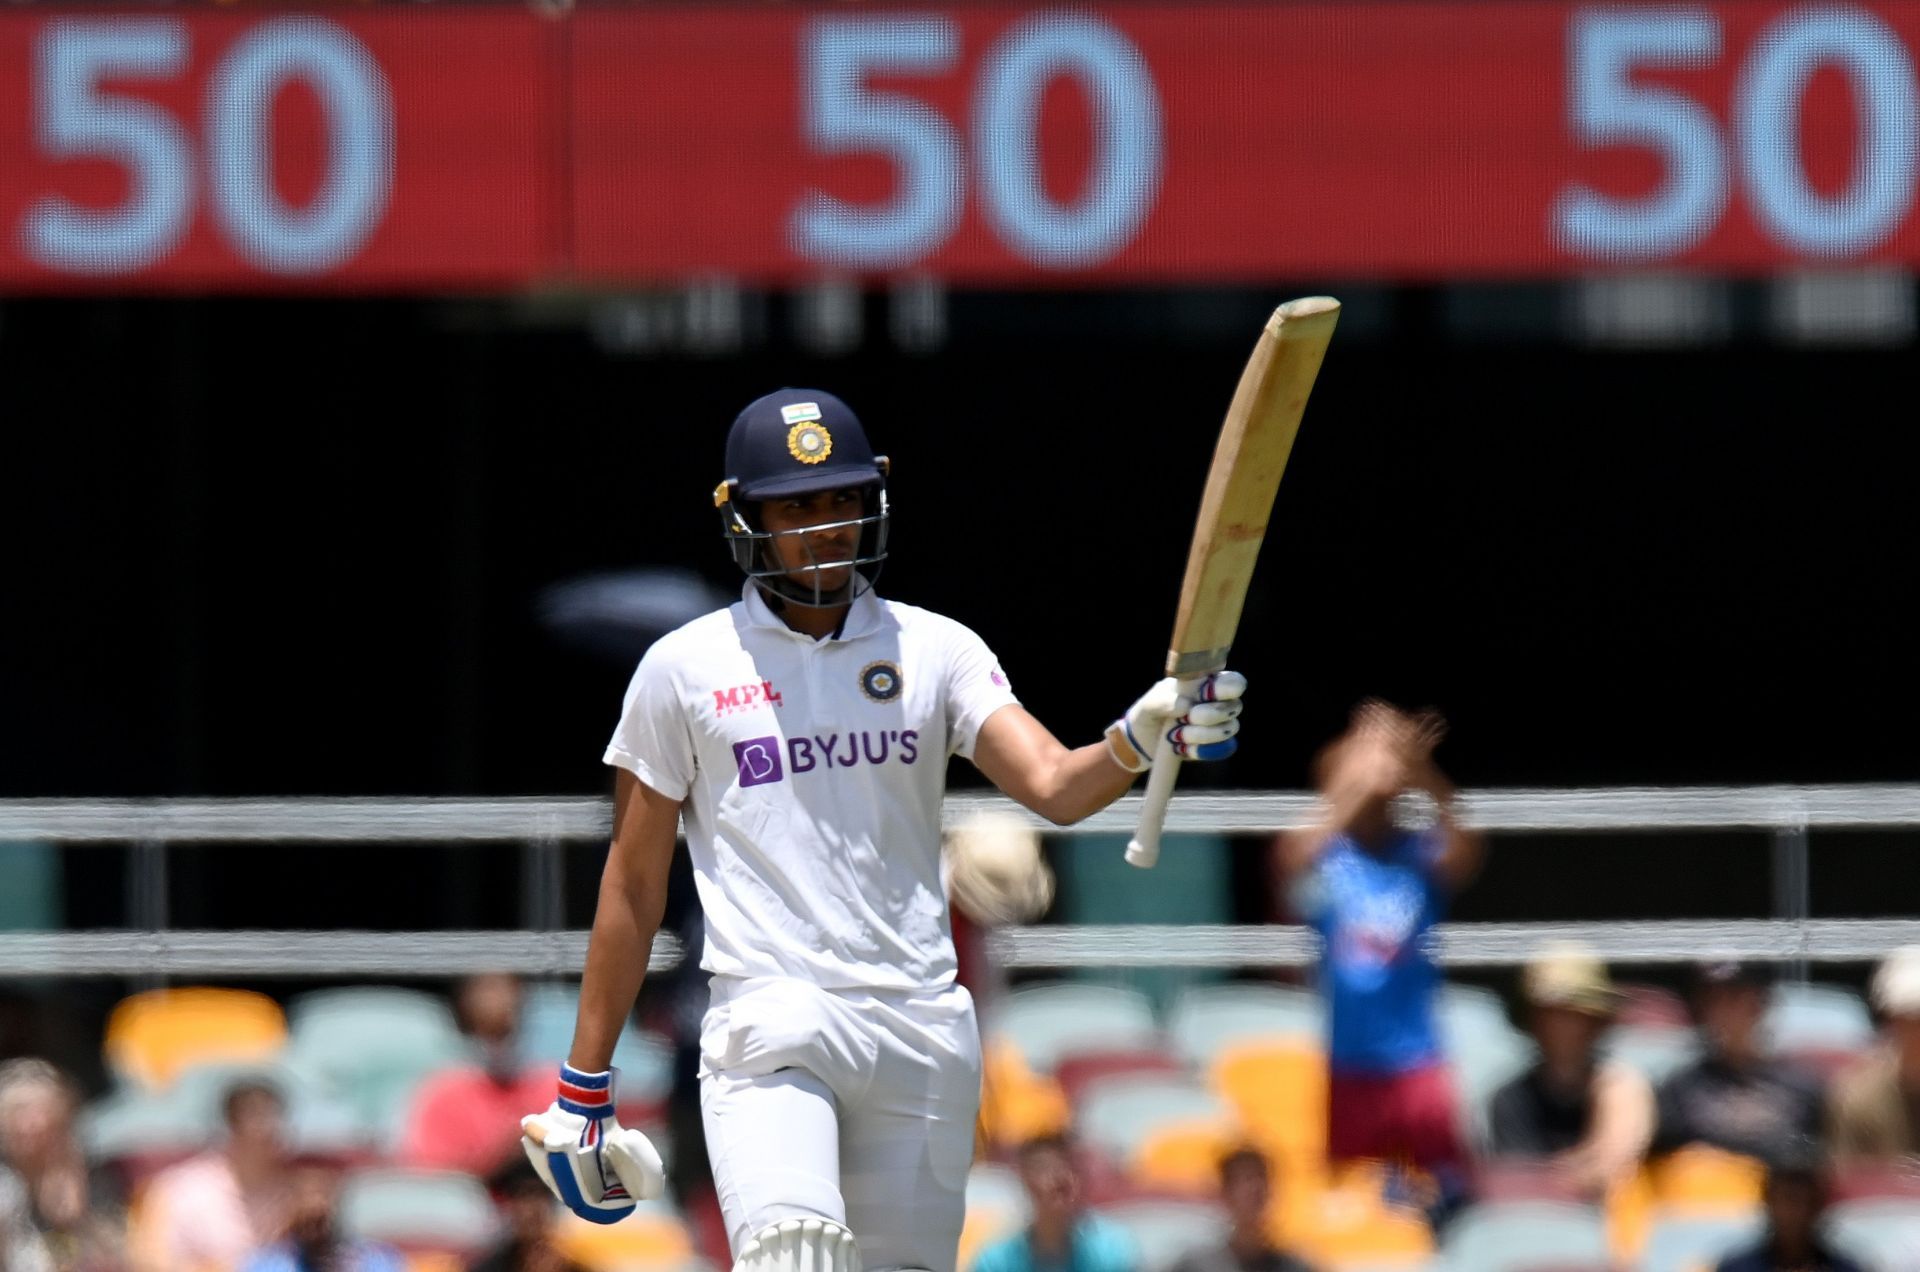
(1882, 1233)
(418, 1210)
(1816, 1018)
(1518, 1235)
(1207, 1019)
(1684, 1243)
(644, 1059)
(1047, 1021)
(1117, 1115)
(1165, 1230)
(373, 1047)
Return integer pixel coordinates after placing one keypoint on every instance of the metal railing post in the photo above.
(1793, 885)
(147, 898)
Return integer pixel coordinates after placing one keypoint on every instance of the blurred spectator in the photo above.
(313, 1242)
(1063, 1237)
(21, 1249)
(1796, 1197)
(1874, 1106)
(76, 1211)
(1246, 1189)
(530, 1217)
(1591, 1117)
(1735, 1097)
(1373, 889)
(212, 1210)
(468, 1118)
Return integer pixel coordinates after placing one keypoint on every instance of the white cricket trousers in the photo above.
(855, 1105)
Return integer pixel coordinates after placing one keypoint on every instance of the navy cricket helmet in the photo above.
(791, 443)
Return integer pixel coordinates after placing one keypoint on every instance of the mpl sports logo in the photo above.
(745, 698)
(762, 761)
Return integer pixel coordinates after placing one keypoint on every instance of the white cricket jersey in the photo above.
(811, 774)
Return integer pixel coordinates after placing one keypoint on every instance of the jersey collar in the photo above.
(863, 618)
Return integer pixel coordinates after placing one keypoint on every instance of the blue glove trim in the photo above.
(568, 1187)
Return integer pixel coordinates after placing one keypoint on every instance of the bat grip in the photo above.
(1143, 850)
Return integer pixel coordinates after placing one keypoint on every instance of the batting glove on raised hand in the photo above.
(592, 1163)
(1199, 726)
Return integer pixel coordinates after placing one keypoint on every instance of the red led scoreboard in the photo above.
(455, 149)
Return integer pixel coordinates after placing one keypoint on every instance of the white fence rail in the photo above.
(151, 949)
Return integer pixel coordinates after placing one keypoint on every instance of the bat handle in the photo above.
(1143, 850)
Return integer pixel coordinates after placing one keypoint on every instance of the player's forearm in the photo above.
(1079, 783)
(624, 925)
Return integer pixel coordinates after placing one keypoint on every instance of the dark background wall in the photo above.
(259, 547)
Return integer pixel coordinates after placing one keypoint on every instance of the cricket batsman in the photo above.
(803, 735)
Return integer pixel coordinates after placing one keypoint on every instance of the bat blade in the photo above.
(1248, 462)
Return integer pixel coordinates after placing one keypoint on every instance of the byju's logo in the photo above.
(759, 761)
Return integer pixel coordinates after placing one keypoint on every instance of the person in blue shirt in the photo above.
(1064, 1236)
(1373, 889)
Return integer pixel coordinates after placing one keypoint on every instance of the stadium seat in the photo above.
(1207, 1019)
(1017, 1104)
(1080, 1069)
(146, 1130)
(418, 1210)
(1816, 1017)
(1701, 1180)
(1279, 1093)
(373, 1046)
(151, 1037)
(1472, 1008)
(1165, 1230)
(992, 1187)
(1882, 1234)
(1657, 1053)
(996, 1206)
(1484, 1053)
(1184, 1157)
(644, 1059)
(1687, 1243)
(1120, 1114)
(1046, 1022)
(654, 1236)
(1513, 1236)
(1343, 1220)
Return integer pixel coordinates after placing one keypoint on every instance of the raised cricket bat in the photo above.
(1247, 465)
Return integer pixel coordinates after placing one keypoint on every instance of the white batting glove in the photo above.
(1198, 728)
(597, 1167)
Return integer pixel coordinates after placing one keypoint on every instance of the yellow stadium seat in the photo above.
(1185, 1156)
(1017, 1104)
(1702, 1180)
(1279, 1091)
(1345, 1221)
(1629, 1209)
(650, 1236)
(152, 1037)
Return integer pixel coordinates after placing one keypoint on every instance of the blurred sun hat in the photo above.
(1896, 986)
(1573, 977)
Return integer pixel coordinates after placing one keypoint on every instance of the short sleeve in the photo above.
(976, 688)
(653, 741)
